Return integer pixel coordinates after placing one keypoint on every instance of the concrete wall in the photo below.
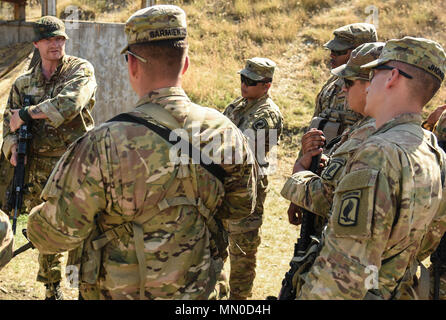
(15, 31)
(99, 43)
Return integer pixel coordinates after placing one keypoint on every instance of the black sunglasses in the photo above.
(250, 82)
(339, 52)
(385, 67)
(348, 83)
(126, 56)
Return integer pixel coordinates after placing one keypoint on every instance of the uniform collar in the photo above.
(156, 96)
(247, 105)
(414, 118)
(39, 74)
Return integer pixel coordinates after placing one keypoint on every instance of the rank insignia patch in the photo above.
(348, 214)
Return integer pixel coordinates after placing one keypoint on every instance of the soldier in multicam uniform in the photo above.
(330, 102)
(331, 107)
(6, 240)
(147, 226)
(388, 210)
(260, 119)
(309, 190)
(61, 89)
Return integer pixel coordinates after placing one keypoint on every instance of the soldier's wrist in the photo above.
(24, 115)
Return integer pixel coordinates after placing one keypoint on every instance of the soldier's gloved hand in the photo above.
(312, 139)
(15, 121)
(294, 214)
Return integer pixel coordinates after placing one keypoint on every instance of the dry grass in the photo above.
(222, 35)
(18, 278)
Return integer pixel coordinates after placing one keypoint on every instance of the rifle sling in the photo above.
(23, 248)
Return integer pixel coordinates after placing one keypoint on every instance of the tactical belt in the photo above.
(167, 134)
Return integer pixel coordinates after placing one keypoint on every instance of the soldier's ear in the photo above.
(186, 65)
(392, 78)
(35, 45)
(133, 66)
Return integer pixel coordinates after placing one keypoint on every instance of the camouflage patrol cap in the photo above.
(351, 36)
(419, 52)
(159, 22)
(363, 54)
(47, 27)
(258, 69)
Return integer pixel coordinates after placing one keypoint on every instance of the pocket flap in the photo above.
(358, 180)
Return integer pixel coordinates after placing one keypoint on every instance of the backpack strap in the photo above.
(112, 234)
(138, 238)
(135, 229)
(167, 134)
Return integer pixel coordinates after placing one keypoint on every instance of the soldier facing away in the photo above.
(144, 225)
(256, 115)
(388, 209)
(61, 90)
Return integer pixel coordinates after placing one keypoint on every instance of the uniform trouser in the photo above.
(6, 174)
(39, 171)
(244, 239)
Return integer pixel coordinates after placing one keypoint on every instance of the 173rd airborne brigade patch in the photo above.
(354, 204)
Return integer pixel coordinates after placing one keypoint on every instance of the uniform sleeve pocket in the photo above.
(353, 204)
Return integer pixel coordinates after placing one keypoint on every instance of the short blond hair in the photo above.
(423, 86)
(169, 53)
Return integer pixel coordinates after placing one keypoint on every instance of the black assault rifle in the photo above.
(15, 194)
(307, 229)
